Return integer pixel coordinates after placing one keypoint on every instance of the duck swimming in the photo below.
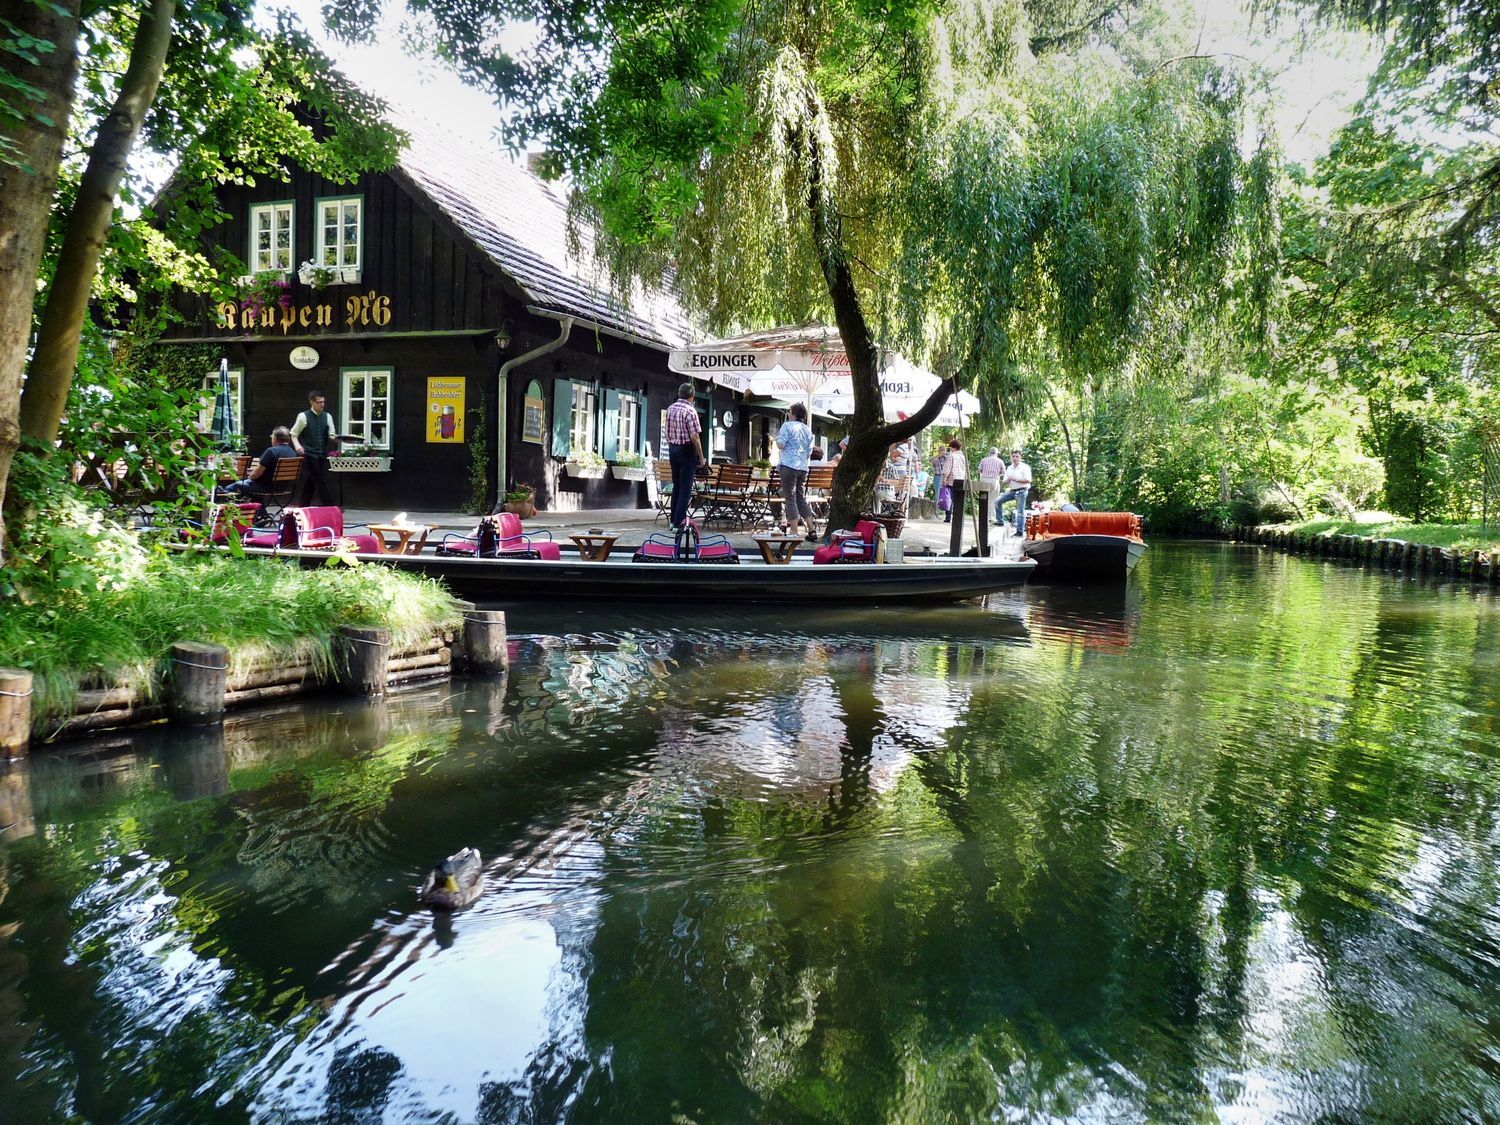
(455, 882)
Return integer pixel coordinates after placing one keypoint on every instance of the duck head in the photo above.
(442, 876)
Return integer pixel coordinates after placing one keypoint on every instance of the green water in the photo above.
(1222, 845)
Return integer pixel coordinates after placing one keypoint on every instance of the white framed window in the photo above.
(271, 237)
(583, 430)
(367, 405)
(628, 432)
(209, 395)
(341, 240)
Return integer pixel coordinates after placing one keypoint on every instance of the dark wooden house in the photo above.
(438, 308)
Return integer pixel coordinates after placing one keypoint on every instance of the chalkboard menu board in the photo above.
(533, 414)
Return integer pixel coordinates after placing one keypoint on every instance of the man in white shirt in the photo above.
(313, 433)
(1017, 481)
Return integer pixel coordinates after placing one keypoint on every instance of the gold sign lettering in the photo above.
(360, 311)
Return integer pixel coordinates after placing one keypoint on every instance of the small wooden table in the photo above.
(401, 535)
(777, 550)
(594, 548)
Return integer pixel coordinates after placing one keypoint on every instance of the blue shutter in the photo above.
(609, 441)
(562, 417)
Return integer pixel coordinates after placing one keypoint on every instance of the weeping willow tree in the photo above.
(974, 183)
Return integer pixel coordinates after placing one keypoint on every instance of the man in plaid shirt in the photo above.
(684, 450)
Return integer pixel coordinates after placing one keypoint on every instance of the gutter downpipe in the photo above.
(502, 449)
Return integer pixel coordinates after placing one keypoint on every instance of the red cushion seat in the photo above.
(851, 546)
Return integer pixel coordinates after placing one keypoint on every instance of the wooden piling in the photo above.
(199, 673)
(485, 641)
(15, 712)
(364, 659)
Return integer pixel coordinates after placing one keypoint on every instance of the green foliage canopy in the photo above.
(973, 183)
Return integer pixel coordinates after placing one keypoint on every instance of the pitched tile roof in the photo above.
(520, 223)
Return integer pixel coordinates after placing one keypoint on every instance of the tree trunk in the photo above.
(52, 366)
(1077, 496)
(28, 176)
(869, 434)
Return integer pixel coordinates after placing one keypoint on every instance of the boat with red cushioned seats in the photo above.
(1086, 546)
(500, 562)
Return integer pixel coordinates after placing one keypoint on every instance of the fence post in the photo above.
(199, 673)
(15, 712)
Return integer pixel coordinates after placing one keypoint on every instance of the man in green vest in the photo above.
(312, 434)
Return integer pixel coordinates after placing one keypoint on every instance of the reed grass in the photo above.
(262, 610)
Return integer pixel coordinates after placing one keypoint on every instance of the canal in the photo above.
(1222, 844)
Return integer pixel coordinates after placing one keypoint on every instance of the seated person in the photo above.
(839, 456)
(815, 454)
(265, 468)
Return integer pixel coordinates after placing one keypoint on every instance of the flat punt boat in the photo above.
(1084, 546)
(750, 580)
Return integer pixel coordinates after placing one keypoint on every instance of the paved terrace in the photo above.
(633, 524)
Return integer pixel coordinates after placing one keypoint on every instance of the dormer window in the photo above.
(271, 237)
(341, 232)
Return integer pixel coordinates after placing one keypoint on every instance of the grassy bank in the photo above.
(117, 632)
(1383, 525)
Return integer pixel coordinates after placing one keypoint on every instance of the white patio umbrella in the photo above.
(804, 362)
(959, 410)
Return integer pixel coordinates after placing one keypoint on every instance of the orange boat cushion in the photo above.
(1088, 523)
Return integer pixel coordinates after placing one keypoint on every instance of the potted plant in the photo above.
(628, 466)
(520, 500)
(585, 464)
(360, 459)
(266, 290)
(311, 274)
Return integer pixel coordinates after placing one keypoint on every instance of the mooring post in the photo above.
(199, 673)
(366, 654)
(15, 712)
(485, 641)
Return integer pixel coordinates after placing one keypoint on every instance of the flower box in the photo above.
(524, 509)
(628, 472)
(584, 472)
(347, 464)
(349, 275)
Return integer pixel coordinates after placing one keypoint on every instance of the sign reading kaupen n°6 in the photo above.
(445, 410)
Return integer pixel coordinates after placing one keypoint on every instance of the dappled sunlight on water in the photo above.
(1221, 842)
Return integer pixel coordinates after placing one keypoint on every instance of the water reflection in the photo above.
(1222, 843)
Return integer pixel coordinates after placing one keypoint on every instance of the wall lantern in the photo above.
(502, 337)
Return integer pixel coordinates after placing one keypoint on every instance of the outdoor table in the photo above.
(777, 549)
(595, 547)
(401, 535)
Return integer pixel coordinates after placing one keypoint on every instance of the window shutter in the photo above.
(562, 417)
(609, 444)
(640, 422)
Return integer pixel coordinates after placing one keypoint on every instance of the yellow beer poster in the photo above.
(445, 410)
